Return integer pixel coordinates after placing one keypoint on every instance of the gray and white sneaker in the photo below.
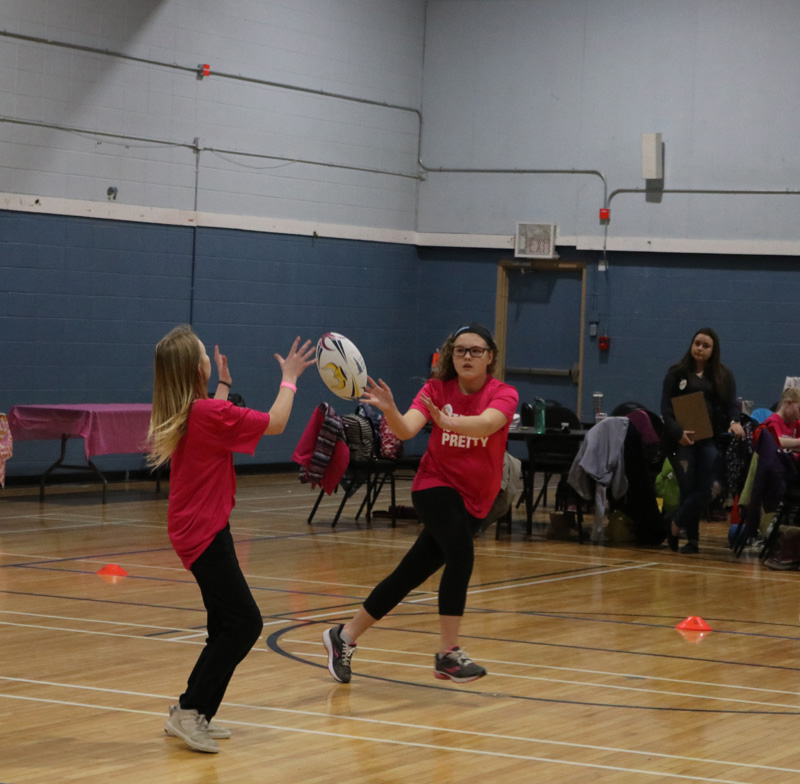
(455, 665)
(192, 729)
(339, 653)
(215, 730)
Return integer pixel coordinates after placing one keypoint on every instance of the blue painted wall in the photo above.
(649, 305)
(83, 302)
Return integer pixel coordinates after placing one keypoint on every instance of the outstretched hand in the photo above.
(297, 360)
(378, 394)
(221, 362)
(437, 415)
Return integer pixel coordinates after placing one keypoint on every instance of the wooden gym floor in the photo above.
(589, 680)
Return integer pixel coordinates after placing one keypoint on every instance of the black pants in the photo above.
(446, 539)
(698, 468)
(234, 624)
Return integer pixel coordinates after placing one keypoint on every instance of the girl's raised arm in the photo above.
(292, 367)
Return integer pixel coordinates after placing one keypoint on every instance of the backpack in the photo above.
(738, 456)
(358, 435)
(620, 528)
(786, 554)
(373, 415)
(510, 488)
(391, 447)
(386, 444)
(667, 489)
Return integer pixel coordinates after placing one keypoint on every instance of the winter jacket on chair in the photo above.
(321, 452)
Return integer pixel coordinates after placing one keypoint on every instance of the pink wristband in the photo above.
(289, 385)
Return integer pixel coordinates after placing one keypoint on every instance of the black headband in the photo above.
(478, 329)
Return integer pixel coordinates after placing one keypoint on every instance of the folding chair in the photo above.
(555, 417)
(548, 454)
(363, 468)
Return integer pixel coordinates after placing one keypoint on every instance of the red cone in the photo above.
(694, 623)
(112, 570)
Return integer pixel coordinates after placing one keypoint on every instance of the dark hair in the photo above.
(715, 370)
(445, 369)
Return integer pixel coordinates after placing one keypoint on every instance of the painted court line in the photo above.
(561, 578)
(589, 684)
(90, 620)
(618, 674)
(442, 747)
(193, 634)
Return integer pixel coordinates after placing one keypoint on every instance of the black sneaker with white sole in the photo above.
(455, 665)
(339, 653)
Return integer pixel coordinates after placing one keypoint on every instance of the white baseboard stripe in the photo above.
(173, 217)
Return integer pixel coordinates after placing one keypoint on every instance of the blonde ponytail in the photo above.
(177, 383)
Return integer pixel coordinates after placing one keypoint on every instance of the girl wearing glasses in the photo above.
(457, 481)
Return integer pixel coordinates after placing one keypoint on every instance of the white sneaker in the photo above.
(214, 730)
(191, 728)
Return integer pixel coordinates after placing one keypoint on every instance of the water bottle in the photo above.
(538, 415)
(597, 406)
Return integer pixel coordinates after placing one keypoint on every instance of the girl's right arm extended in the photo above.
(297, 360)
(404, 426)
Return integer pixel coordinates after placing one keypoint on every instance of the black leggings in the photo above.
(234, 624)
(446, 538)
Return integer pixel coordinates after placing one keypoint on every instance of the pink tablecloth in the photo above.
(106, 428)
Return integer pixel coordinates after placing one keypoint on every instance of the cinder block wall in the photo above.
(83, 302)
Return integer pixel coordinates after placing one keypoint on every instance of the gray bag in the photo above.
(510, 488)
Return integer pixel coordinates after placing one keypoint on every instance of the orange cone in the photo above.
(693, 623)
(112, 570)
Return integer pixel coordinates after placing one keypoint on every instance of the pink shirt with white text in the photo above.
(472, 466)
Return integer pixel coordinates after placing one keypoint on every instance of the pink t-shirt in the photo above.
(783, 429)
(202, 483)
(472, 466)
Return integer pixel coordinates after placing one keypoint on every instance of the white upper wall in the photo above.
(365, 49)
(508, 84)
(573, 84)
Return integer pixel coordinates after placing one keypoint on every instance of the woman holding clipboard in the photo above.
(693, 453)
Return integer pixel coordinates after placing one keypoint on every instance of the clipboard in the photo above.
(691, 414)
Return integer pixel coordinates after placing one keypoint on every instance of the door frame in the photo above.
(501, 308)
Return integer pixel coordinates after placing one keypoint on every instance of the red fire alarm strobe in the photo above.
(204, 69)
(605, 213)
(604, 342)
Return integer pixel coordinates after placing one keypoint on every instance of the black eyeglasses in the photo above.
(474, 351)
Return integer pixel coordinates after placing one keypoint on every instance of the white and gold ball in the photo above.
(341, 366)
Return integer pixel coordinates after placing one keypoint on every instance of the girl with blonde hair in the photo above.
(785, 422)
(199, 435)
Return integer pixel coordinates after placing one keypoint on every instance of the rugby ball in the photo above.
(341, 366)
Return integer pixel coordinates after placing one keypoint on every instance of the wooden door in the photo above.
(540, 323)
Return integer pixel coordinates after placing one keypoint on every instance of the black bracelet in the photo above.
(227, 384)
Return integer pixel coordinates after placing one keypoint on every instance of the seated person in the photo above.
(785, 422)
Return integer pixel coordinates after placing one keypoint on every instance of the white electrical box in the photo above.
(535, 241)
(652, 158)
